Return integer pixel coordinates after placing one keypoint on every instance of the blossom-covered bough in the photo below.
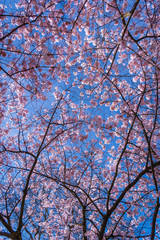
(79, 115)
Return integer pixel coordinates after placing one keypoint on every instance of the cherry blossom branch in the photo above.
(130, 35)
(147, 36)
(79, 12)
(130, 16)
(154, 219)
(16, 28)
(16, 151)
(9, 75)
(111, 210)
(31, 171)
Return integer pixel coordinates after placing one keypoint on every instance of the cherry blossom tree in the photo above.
(79, 115)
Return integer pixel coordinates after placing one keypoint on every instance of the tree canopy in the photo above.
(80, 119)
